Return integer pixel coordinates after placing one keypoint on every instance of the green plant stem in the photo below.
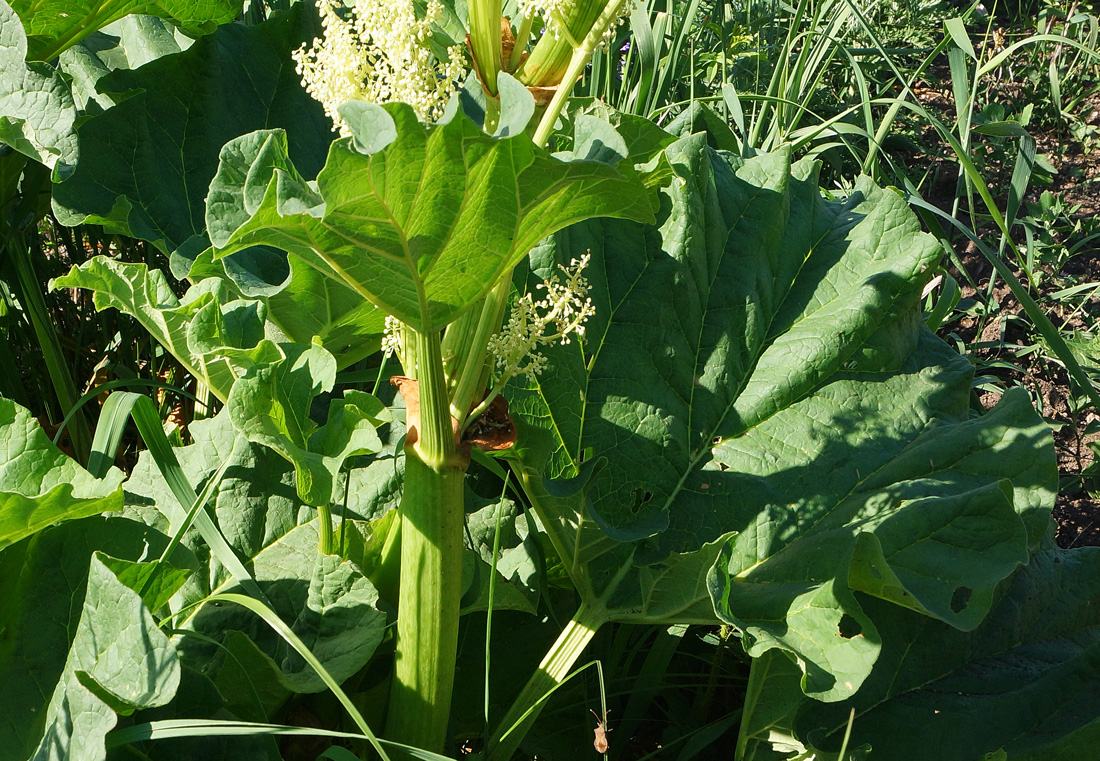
(484, 18)
(551, 56)
(324, 529)
(550, 116)
(758, 672)
(553, 670)
(523, 34)
(492, 598)
(431, 563)
(472, 371)
(579, 58)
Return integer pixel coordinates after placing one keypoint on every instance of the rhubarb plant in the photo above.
(427, 224)
(711, 383)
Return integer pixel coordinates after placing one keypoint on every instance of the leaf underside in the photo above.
(421, 222)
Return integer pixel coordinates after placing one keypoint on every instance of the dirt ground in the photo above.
(997, 334)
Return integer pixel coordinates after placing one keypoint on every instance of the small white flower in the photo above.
(566, 307)
(391, 336)
(378, 54)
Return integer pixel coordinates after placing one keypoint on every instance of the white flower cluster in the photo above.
(566, 307)
(378, 54)
(391, 336)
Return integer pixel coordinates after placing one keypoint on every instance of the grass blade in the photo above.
(1038, 318)
(957, 30)
(144, 414)
(111, 385)
(170, 729)
(284, 631)
(1021, 178)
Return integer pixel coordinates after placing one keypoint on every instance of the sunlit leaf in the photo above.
(39, 484)
(420, 220)
(758, 426)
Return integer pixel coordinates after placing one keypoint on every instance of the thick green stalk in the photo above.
(485, 40)
(549, 59)
(472, 366)
(577, 60)
(431, 563)
(553, 670)
(324, 529)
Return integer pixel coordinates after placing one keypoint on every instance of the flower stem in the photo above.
(468, 341)
(431, 563)
(580, 57)
(324, 529)
(484, 18)
(565, 89)
(553, 670)
(550, 57)
(523, 35)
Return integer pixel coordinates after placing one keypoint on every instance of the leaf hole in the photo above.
(640, 497)
(849, 627)
(961, 598)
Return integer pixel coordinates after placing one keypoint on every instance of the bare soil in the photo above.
(999, 337)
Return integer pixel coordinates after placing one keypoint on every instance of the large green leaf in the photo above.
(37, 111)
(758, 425)
(54, 25)
(152, 156)
(215, 336)
(271, 406)
(327, 601)
(1024, 681)
(302, 302)
(256, 502)
(120, 661)
(128, 43)
(421, 220)
(927, 527)
(39, 484)
(375, 486)
(514, 570)
(43, 580)
(311, 304)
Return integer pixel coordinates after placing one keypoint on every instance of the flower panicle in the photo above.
(391, 336)
(566, 307)
(379, 54)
